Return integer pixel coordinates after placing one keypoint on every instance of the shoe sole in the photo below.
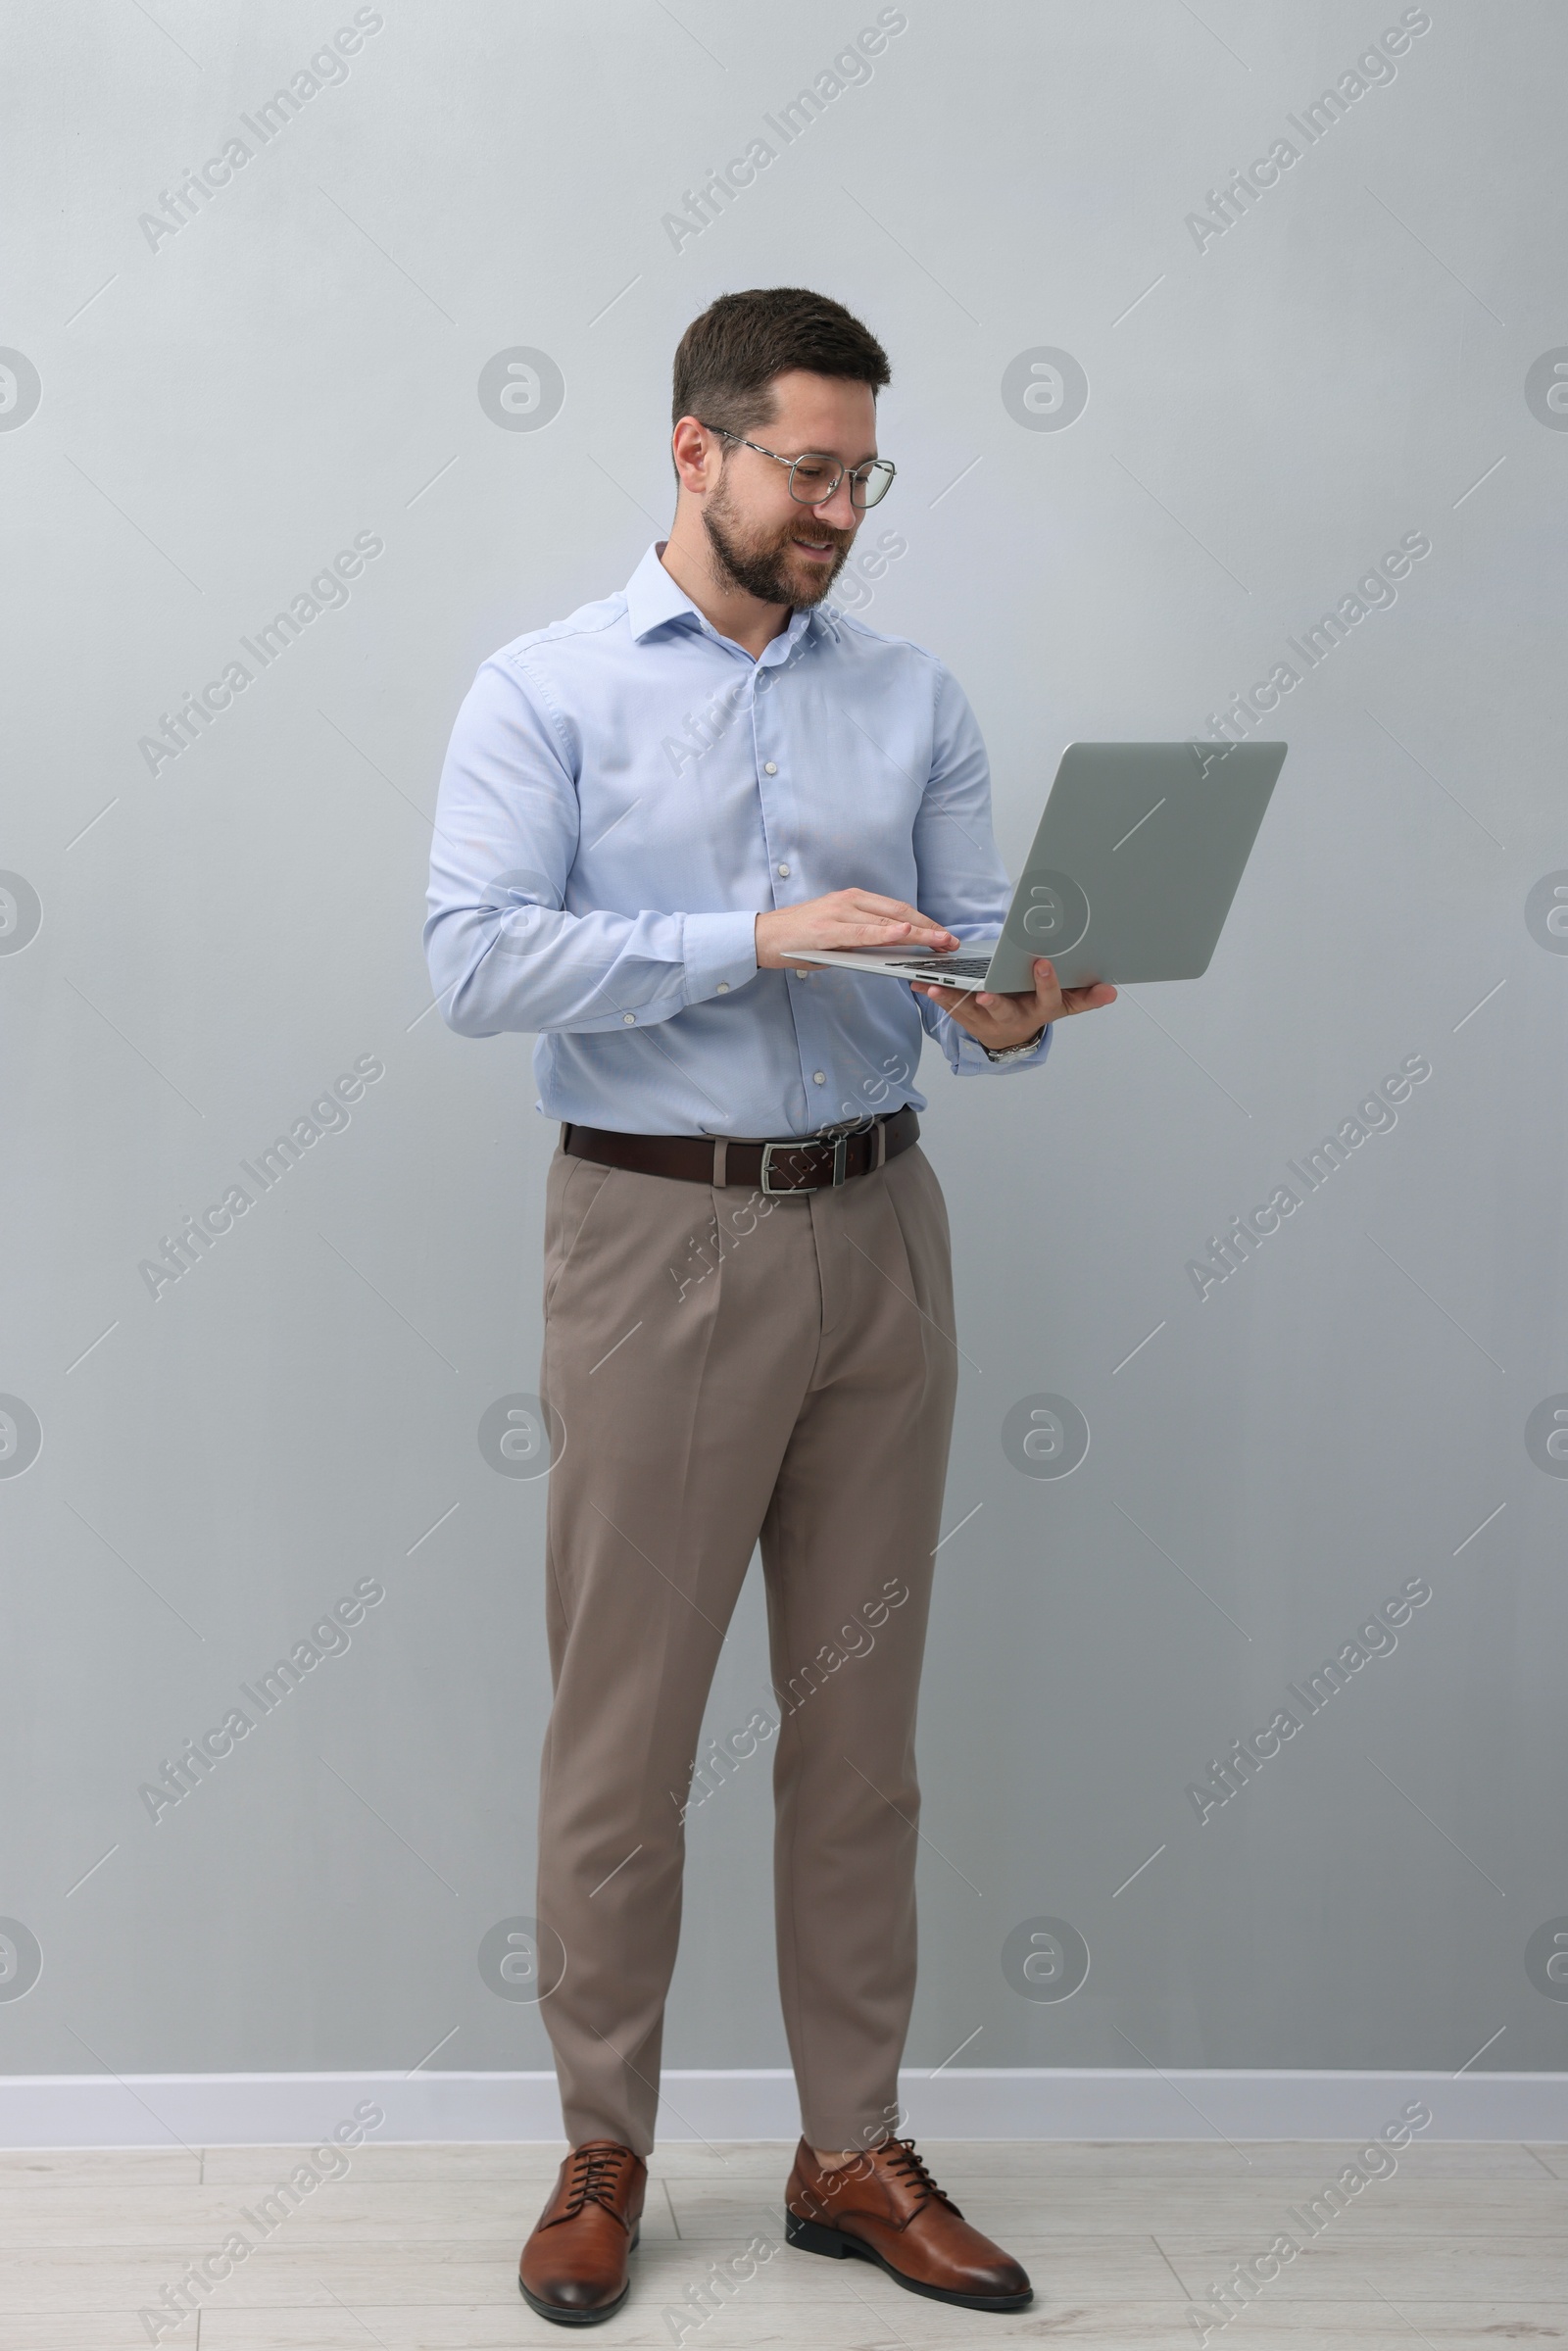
(810, 2236)
(581, 2318)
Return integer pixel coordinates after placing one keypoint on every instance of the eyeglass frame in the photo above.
(853, 471)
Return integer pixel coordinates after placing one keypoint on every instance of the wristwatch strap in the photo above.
(1012, 1052)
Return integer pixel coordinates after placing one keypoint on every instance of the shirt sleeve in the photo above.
(503, 950)
(962, 880)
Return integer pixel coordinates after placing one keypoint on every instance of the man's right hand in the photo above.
(846, 918)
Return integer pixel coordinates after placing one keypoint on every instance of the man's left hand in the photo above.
(1000, 1020)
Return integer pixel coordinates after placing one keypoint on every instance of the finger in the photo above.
(905, 912)
(887, 934)
(869, 903)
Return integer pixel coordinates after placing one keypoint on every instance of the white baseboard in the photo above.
(1025, 2102)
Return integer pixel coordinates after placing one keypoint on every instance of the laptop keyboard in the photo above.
(969, 967)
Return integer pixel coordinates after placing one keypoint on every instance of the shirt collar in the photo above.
(654, 599)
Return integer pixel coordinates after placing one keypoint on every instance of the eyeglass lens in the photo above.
(814, 479)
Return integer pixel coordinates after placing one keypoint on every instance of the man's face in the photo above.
(762, 539)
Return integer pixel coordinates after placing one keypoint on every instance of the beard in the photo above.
(763, 561)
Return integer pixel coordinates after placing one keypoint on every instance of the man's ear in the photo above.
(696, 455)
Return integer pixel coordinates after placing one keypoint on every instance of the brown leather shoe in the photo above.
(574, 2266)
(884, 2206)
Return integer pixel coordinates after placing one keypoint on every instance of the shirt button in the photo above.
(819, 1077)
(770, 768)
(784, 869)
(630, 1019)
(723, 986)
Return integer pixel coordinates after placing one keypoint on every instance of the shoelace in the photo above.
(595, 2172)
(911, 2166)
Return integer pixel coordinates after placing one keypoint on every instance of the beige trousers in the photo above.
(720, 1369)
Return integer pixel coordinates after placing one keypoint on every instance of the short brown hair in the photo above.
(727, 358)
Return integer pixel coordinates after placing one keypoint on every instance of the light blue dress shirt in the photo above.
(627, 789)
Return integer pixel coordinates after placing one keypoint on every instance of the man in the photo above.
(749, 1332)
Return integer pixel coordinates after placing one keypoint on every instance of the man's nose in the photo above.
(839, 511)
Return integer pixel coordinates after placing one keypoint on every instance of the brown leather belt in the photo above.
(798, 1163)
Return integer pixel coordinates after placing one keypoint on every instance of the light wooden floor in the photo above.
(417, 2246)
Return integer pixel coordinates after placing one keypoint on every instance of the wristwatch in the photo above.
(1011, 1053)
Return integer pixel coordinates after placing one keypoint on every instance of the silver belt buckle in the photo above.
(841, 1139)
(782, 1190)
(803, 1143)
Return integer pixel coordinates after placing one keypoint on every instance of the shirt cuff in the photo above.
(720, 953)
(973, 1057)
(1015, 1052)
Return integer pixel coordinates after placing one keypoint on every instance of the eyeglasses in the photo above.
(814, 478)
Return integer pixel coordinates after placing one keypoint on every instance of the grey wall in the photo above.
(1364, 353)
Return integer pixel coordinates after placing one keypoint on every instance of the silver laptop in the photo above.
(1131, 876)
